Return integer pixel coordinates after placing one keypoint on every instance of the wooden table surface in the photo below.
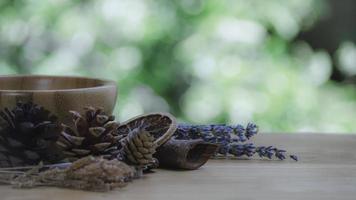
(326, 170)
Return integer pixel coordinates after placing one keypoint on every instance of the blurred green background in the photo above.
(289, 65)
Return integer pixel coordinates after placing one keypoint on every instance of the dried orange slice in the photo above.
(160, 125)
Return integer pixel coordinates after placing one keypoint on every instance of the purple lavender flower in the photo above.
(251, 130)
(239, 150)
(216, 133)
(231, 140)
(294, 157)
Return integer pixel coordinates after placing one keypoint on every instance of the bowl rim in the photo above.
(106, 83)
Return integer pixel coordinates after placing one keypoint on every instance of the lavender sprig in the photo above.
(216, 133)
(251, 130)
(231, 140)
(250, 149)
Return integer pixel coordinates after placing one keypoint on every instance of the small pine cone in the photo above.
(139, 146)
(143, 134)
(93, 133)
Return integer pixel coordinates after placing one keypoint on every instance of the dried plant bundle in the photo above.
(88, 173)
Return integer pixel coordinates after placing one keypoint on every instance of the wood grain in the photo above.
(326, 170)
(58, 94)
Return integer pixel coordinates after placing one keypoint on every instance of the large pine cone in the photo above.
(28, 134)
(144, 134)
(93, 133)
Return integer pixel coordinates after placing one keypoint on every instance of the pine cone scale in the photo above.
(111, 125)
(102, 119)
(81, 152)
(73, 139)
(148, 144)
(81, 126)
(148, 156)
(68, 153)
(143, 150)
(133, 149)
(129, 154)
(139, 146)
(137, 141)
(97, 131)
(102, 146)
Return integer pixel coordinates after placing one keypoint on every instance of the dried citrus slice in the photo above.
(160, 125)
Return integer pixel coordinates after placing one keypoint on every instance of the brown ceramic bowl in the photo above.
(59, 94)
